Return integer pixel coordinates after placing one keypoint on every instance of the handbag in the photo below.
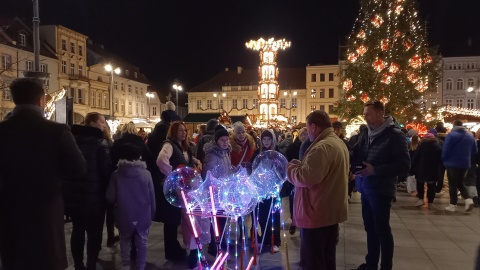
(411, 184)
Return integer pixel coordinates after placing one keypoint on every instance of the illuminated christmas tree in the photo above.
(388, 59)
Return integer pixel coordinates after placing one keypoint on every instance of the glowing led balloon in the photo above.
(202, 193)
(269, 173)
(186, 179)
(237, 195)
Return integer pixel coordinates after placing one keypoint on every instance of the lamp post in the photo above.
(117, 71)
(218, 100)
(285, 94)
(149, 95)
(177, 88)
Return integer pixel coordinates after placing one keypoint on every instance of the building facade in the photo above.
(460, 84)
(322, 88)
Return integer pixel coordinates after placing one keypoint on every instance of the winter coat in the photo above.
(157, 137)
(387, 153)
(36, 156)
(427, 161)
(87, 196)
(137, 141)
(206, 138)
(131, 190)
(283, 145)
(458, 148)
(320, 181)
(238, 151)
(216, 156)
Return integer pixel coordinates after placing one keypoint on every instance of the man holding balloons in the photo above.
(320, 203)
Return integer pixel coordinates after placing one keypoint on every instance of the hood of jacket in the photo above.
(238, 148)
(373, 133)
(212, 147)
(85, 133)
(131, 168)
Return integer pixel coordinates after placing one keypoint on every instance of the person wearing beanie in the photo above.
(243, 145)
(208, 136)
(268, 142)
(131, 191)
(218, 162)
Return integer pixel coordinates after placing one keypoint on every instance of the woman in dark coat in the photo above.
(85, 199)
(427, 167)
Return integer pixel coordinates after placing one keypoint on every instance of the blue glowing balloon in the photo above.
(269, 173)
(186, 179)
(202, 195)
(237, 195)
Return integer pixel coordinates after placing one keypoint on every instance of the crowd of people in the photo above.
(49, 171)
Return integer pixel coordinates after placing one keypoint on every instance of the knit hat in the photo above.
(129, 152)
(220, 132)
(211, 124)
(266, 133)
(428, 135)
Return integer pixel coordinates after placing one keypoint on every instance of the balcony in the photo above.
(78, 77)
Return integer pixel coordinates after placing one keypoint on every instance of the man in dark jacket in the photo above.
(380, 155)
(36, 155)
(206, 138)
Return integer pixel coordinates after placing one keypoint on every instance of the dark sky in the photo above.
(194, 40)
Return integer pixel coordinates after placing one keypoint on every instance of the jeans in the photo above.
(140, 239)
(376, 219)
(318, 248)
(456, 180)
(93, 226)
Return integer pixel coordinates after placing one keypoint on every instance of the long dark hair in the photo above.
(173, 131)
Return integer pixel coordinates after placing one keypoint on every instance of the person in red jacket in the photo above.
(243, 145)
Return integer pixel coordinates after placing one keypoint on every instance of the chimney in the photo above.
(239, 70)
(226, 69)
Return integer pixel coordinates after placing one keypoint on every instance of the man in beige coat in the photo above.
(320, 181)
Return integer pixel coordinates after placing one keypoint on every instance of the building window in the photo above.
(122, 106)
(313, 108)
(129, 88)
(330, 77)
(245, 103)
(142, 108)
(80, 70)
(141, 92)
(460, 103)
(130, 107)
(135, 74)
(282, 103)
(322, 107)
(322, 77)
(105, 100)
(330, 109)
(29, 65)
(449, 84)
(6, 92)
(294, 119)
(209, 104)
(322, 93)
(64, 44)
(127, 73)
(43, 67)
(6, 61)
(72, 69)
(99, 100)
(470, 83)
(221, 104)
(330, 92)
(72, 47)
(314, 77)
(294, 102)
(23, 39)
(199, 104)
(93, 100)
(122, 87)
(255, 103)
(154, 110)
(80, 50)
(72, 94)
(136, 90)
(115, 85)
(136, 108)
(234, 103)
(470, 103)
(313, 93)
(64, 66)
(460, 84)
(80, 96)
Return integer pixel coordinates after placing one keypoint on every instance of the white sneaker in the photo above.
(420, 203)
(275, 249)
(451, 208)
(469, 205)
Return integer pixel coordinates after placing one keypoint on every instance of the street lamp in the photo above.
(117, 71)
(177, 88)
(218, 100)
(149, 95)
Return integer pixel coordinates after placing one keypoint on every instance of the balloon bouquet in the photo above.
(231, 194)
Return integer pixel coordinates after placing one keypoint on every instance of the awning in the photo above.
(200, 117)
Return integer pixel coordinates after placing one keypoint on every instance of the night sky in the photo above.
(192, 41)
